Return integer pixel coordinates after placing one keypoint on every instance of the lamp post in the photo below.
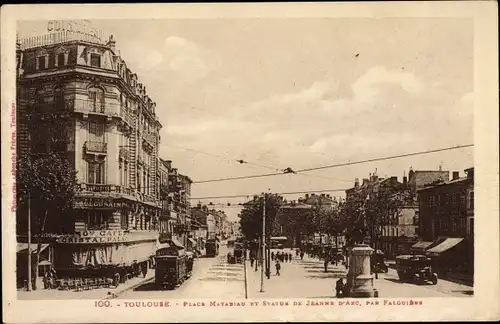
(263, 253)
(29, 241)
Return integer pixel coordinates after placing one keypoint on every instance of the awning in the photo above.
(23, 247)
(444, 246)
(421, 246)
(192, 241)
(176, 243)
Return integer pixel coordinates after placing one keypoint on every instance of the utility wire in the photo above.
(251, 163)
(340, 164)
(278, 193)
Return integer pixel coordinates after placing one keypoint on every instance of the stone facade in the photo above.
(110, 133)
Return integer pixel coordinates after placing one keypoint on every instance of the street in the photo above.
(212, 278)
(215, 278)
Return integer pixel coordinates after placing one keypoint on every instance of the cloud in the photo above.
(186, 59)
(367, 86)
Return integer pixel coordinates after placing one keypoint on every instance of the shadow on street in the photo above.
(150, 286)
(327, 276)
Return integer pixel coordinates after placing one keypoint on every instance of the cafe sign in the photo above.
(75, 26)
(97, 203)
(90, 236)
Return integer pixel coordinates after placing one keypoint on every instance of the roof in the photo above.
(444, 183)
(420, 178)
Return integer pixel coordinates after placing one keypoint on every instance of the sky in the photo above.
(301, 93)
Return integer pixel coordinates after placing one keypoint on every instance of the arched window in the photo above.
(96, 99)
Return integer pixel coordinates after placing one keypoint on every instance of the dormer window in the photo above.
(42, 62)
(61, 58)
(95, 60)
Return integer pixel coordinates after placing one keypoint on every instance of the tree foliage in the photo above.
(365, 212)
(252, 214)
(50, 182)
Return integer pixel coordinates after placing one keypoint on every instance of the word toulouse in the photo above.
(74, 26)
(95, 237)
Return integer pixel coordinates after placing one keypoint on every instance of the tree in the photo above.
(364, 212)
(49, 180)
(252, 213)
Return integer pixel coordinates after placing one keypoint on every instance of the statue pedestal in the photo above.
(359, 277)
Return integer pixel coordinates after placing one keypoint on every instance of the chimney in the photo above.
(456, 175)
(307, 196)
(111, 43)
(410, 174)
(356, 182)
(365, 181)
(394, 180)
(405, 179)
(199, 205)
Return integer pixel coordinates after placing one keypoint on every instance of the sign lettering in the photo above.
(91, 236)
(75, 26)
(84, 203)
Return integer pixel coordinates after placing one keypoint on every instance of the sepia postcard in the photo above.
(250, 162)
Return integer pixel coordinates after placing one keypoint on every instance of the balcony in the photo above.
(87, 106)
(150, 138)
(96, 148)
(127, 116)
(105, 188)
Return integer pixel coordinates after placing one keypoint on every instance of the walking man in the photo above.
(278, 268)
(272, 256)
(302, 255)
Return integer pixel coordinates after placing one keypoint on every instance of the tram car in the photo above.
(172, 266)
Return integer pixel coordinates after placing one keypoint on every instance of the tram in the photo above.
(173, 266)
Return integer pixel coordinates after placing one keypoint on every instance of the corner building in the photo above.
(110, 134)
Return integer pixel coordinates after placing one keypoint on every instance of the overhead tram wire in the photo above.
(277, 193)
(340, 164)
(251, 163)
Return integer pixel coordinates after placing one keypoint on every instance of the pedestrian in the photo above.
(290, 256)
(278, 268)
(46, 280)
(301, 255)
(285, 256)
(272, 256)
(326, 265)
(339, 288)
(252, 260)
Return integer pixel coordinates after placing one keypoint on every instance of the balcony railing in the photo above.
(88, 106)
(127, 116)
(146, 198)
(97, 187)
(58, 38)
(96, 147)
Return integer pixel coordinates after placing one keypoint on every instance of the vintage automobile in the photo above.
(172, 266)
(416, 268)
(377, 262)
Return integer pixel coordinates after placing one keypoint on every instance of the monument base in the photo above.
(363, 287)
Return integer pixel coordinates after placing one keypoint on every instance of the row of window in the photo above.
(100, 220)
(454, 199)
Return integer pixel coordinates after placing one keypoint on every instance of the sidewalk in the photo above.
(100, 293)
